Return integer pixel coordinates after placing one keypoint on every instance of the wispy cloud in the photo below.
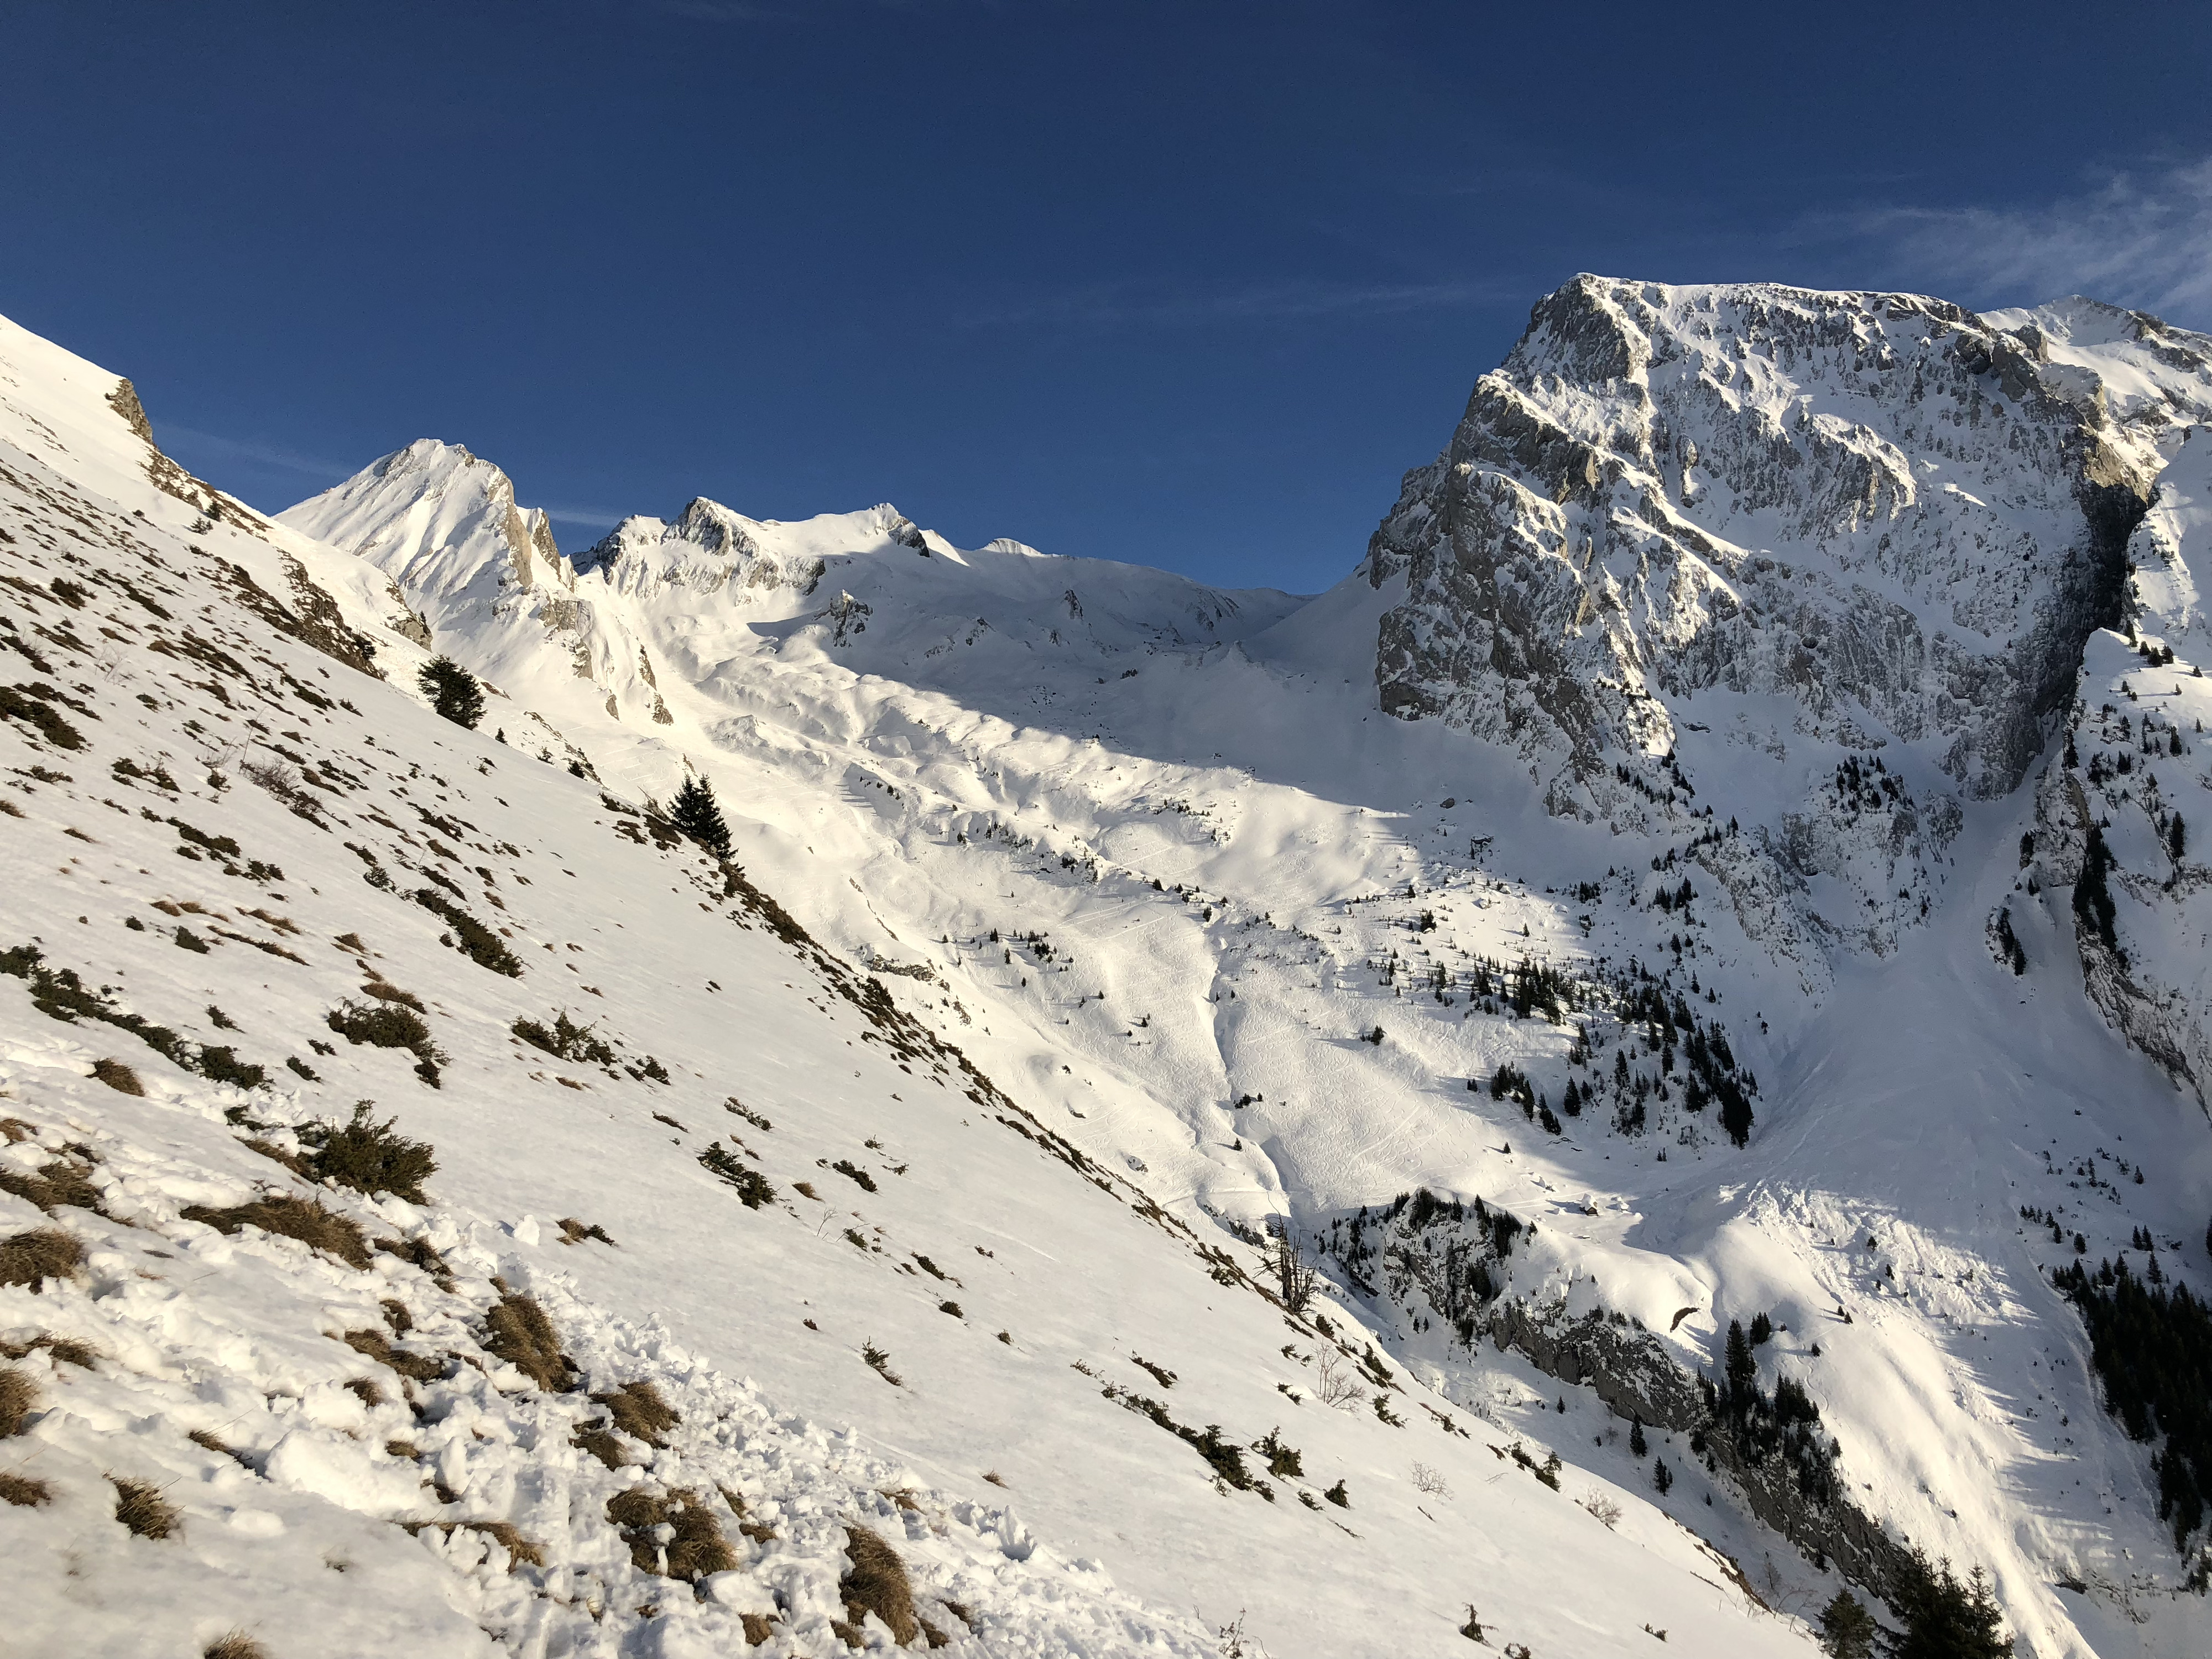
(207, 447)
(1115, 304)
(592, 518)
(2142, 239)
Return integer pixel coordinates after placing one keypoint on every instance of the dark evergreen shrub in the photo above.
(369, 1157)
(471, 937)
(1945, 1619)
(694, 812)
(453, 691)
(566, 1040)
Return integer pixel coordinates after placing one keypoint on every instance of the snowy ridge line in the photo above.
(315, 1444)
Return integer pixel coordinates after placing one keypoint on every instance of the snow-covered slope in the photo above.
(675, 1324)
(1616, 855)
(1725, 644)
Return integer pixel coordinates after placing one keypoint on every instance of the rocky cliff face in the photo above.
(1898, 516)
(1862, 535)
(2115, 867)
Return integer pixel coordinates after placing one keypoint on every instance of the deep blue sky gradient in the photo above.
(1189, 284)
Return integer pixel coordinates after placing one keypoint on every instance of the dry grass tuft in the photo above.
(15, 1131)
(638, 1409)
(25, 1491)
(757, 1628)
(209, 1440)
(42, 1253)
(117, 1076)
(66, 1350)
(418, 1251)
(290, 1218)
(364, 1389)
(638, 1507)
(375, 1344)
(603, 1446)
(271, 1150)
(877, 1584)
(519, 1548)
(142, 1508)
(237, 1644)
(16, 1399)
(697, 1548)
(574, 1232)
(522, 1335)
(63, 1181)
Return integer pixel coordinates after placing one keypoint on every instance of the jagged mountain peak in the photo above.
(1878, 506)
(438, 519)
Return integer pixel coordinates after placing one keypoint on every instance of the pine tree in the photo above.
(453, 691)
(2092, 895)
(1762, 1330)
(1735, 1115)
(1947, 1619)
(1847, 1629)
(1742, 1370)
(694, 812)
(1662, 1476)
(1637, 1443)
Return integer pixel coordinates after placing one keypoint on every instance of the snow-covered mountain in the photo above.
(1648, 893)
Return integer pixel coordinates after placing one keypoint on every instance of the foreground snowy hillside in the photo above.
(740, 1309)
(1646, 898)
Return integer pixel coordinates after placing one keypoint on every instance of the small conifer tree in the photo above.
(1947, 1619)
(453, 691)
(1637, 1443)
(694, 812)
(1847, 1629)
(1736, 1115)
(2092, 894)
(1742, 1370)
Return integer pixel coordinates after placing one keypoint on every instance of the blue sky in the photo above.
(1188, 284)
